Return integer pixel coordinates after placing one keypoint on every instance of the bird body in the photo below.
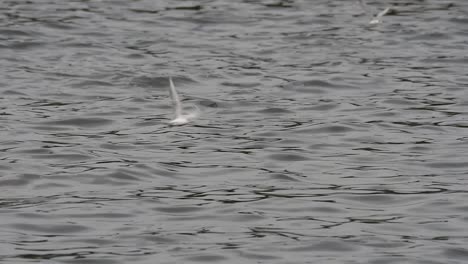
(179, 121)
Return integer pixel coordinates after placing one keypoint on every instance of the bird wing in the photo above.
(175, 99)
(383, 13)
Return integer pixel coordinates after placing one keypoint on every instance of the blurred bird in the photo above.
(180, 118)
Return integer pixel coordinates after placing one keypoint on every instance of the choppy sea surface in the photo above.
(321, 139)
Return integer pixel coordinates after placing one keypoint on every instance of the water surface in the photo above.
(322, 139)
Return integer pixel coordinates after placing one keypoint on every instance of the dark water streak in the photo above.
(322, 139)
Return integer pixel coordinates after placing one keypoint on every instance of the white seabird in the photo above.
(180, 118)
(377, 18)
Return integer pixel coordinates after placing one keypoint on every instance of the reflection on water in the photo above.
(321, 139)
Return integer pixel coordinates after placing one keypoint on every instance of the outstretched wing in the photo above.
(175, 99)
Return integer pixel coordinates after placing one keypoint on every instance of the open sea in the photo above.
(321, 139)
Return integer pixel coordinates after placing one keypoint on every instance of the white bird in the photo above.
(179, 117)
(377, 18)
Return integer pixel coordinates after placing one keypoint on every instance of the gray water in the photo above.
(322, 139)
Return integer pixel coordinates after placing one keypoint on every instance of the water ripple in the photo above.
(321, 138)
